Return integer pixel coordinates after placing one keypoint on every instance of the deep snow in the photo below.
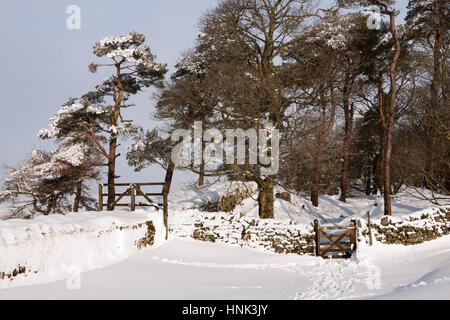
(50, 248)
(192, 270)
(186, 269)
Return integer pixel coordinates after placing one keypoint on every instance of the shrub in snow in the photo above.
(233, 198)
(227, 202)
(209, 204)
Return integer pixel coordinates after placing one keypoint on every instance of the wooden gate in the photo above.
(334, 242)
(134, 191)
(137, 197)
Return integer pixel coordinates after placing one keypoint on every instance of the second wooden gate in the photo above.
(335, 242)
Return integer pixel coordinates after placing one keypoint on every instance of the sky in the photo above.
(43, 63)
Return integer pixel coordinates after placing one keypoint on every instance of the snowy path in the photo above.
(195, 270)
(343, 279)
(187, 269)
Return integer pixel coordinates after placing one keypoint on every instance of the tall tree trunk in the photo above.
(390, 126)
(112, 173)
(348, 112)
(368, 181)
(316, 178)
(380, 165)
(266, 198)
(201, 175)
(387, 171)
(380, 161)
(433, 106)
(324, 131)
(76, 203)
(118, 97)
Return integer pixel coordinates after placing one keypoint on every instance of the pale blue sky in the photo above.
(43, 63)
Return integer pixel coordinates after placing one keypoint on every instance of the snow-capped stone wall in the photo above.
(284, 236)
(273, 235)
(50, 248)
(422, 226)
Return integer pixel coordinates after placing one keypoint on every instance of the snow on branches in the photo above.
(148, 148)
(424, 16)
(336, 30)
(81, 117)
(74, 153)
(190, 64)
(135, 59)
(46, 182)
(73, 113)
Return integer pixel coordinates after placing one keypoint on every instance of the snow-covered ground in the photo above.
(330, 210)
(50, 248)
(182, 268)
(192, 270)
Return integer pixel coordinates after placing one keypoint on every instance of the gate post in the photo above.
(133, 198)
(317, 236)
(370, 228)
(166, 190)
(166, 214)
(100, 197)
(355, 233)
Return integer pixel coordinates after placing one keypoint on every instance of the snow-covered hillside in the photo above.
(299, 209)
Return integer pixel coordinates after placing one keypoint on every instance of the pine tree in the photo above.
(47, 182)
(386, 9)
(98, 114)
(428, 25)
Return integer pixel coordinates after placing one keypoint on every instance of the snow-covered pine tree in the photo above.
(81, 156)
(98, 114)
(48, 182)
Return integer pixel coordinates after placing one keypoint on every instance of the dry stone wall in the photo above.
(423, 226)
(288, 237)
(272, 235)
